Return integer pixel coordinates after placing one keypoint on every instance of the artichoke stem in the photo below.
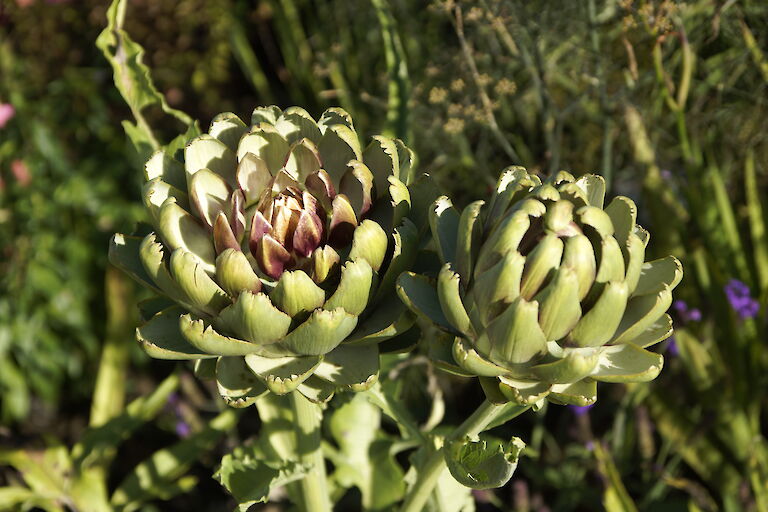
(308, 419)
(429, 473)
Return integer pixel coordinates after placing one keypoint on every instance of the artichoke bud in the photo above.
(277, 241)
(559, 295)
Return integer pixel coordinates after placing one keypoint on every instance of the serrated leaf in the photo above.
(482, 464)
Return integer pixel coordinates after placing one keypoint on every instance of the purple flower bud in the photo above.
(694, 315)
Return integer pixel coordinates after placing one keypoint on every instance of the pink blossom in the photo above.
(6, 113)
(21, 172)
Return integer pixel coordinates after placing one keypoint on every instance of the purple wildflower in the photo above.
(741, 300)
(580, 410)
(672, 347)
(684, 313)
(6, 113)
(183, 429)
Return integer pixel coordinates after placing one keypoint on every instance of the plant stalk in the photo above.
(430, 472)
(308, 418)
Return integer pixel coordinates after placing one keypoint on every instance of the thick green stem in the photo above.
(430, 472)
(308, 418)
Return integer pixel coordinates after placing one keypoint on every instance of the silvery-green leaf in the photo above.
(161, 338)
(424, 192)
(597, 219)
(599, 324)
(152, 257)
(321, 332)
(205, 152)
(581, 393)
(207, 339)
(202, 291)
(406, 248)
(267, 114)
(472, 362)
(573, 193)
(659, 331)
(335, 115)
(468, 242)
(634, 255)
(303, 159)
(514, 336)
(482, 464)
(317, 390)
(228, 128)
(501, 282)
(253, 177)
(420, 295)
(580, 256)
(540, 265)
(593, 186)
(577, 364)
(369, 243)
(627, 363)
(180, 230)
(156, 191)
(401, 200)
(209, 194)
(296, 293)
(124, 254)
(523, 392)
(205, 369)
(623, 214)
(264, 142)
(236, 384)
(505, 237)
(357, 185)
(235, 274)
(355, 289)
(381, 157)
(170, 170)
(296, 124)
(355, 367)
(406, 158)
(282, 374)
(449, 294)
(444, 222)
(559, 307)
(337, 147)
(642, 312)
(611, 265)
(658, 274)
(253, 318)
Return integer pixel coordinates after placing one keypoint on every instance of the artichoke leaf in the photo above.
(295, 124)
(355, 367)
(161, 338)
(627, 363)
(468, 242)
(659, 331)
(385, 322)
(296, 293)
(444, 222)
(264, 142)
(472, 362)
(642, 312)
(658, 274)
(124, 254)
(207, 339)
(369, 243)
(317, 390)
(254, 318)
(236, 384)
(418, 293)
(282, 374)
(355, 289)
(381, 157)
(581, 393)
(623, 214)
(228, 128)
(449, 295)
(482, 464)
(161, 165)
(321, 332)
(406, 249)
(523, 392)
(593, 186)
(206, 152)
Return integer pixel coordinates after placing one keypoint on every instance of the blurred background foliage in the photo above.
(668, 100)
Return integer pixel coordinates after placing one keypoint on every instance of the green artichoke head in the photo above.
(278, 245)
(546, 290)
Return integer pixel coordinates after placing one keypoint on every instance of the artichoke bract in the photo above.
(545, 290)
(278, 245)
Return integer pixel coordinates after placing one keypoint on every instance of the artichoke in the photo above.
(278, 245)
(544, 290)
